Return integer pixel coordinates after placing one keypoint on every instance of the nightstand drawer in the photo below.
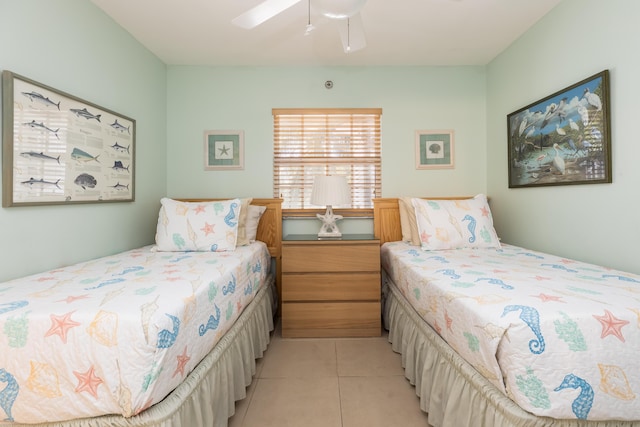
(323, 258)
(331, 287)
(341, 319)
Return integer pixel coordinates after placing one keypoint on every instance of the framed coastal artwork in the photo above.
(434, 149)
(564, 138)
(60, 149)
(223, 150)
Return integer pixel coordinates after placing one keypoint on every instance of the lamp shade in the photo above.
(332, 190)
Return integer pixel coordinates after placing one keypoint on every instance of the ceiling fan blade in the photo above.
(262, 12)
(352, 33)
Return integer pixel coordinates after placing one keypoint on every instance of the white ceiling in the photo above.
(402, 32)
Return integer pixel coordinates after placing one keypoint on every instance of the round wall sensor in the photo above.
(328, 84)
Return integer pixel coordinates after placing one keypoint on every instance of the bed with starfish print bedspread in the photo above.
(117, 334)
(559, 337)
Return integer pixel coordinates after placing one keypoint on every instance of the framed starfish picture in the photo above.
(223, 150)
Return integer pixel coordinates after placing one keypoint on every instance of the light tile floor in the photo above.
(327, 382)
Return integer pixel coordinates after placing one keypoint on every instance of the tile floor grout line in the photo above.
(338, 381)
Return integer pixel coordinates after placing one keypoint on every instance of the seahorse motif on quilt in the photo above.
(471, 227)
(530, 316)
(9, 394)
(230, 287)
(212, 323)
(231, 216)
(583, 403)
(167, 338)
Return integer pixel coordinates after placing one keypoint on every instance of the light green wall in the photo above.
(596, 223)
(412, 98)
(74, 47)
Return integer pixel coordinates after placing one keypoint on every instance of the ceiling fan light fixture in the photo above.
(339, 9)
(309, 28)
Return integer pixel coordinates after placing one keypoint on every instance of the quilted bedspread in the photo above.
(117, 334)
(559, 337)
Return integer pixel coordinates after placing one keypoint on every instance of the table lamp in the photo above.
(330, 191)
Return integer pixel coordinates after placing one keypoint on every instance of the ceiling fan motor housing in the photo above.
(338, 9)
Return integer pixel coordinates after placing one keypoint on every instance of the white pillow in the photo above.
(242, 222)
(254, 214)
(408, 225)
(453, 224)
(197, 226)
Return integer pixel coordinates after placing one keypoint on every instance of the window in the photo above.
(310, 142)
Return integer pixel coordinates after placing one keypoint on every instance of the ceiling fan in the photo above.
(345, 12)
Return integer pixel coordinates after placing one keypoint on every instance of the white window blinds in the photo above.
(310, 142)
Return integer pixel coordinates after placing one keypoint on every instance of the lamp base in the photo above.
(329, 228)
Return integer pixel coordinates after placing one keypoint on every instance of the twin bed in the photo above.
(496, 335)
(164, 335)
(490, 334)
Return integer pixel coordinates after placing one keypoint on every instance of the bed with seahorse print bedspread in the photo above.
(117, 334)
(559, 337)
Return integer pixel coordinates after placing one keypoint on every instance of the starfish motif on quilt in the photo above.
(485, 211)
(611, 325)
(60, 325)
(208, 228)
(199, 209)
(546, 298)
(88, 381)
(448, 320)
(182, 362)
(72, 298)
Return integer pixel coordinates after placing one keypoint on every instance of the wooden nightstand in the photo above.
(331, 288)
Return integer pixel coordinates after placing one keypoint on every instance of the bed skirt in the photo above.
(208, 394)
(451, 391)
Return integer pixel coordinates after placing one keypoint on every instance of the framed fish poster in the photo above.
(60, 149)
(564, 138)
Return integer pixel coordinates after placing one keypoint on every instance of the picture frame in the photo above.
(60, 149)
(435, 149)
(564, 138)
(223, 150)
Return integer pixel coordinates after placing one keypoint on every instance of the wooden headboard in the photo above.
(386, 217)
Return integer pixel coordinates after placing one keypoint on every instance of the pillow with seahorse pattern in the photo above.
(197, 226)
(454, 224)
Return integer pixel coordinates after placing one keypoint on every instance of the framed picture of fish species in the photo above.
(564, 138)
(60, 149)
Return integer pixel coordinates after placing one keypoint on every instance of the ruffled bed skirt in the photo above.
(208, 394)
(451, 391)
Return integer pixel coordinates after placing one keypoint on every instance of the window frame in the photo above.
(371, 133)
